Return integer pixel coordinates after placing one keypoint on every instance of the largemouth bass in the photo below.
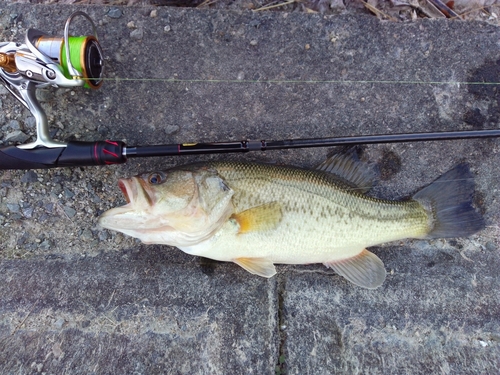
(258, 215)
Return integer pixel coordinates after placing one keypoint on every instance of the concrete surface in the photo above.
(76, 299)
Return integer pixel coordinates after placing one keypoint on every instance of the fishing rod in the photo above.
(69, 61)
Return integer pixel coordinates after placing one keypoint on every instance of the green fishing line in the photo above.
(76, 47)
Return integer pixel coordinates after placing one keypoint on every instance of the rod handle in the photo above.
(73, 155)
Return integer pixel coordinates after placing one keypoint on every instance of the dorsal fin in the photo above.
(349, 169)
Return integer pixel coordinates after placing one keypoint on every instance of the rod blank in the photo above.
(245, 146)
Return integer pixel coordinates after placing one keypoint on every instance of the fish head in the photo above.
(177, 207)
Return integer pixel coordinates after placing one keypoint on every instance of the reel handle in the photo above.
(72, 155)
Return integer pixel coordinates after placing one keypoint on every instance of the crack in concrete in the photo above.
(281, 367)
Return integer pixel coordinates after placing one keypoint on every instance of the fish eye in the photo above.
(156, 178)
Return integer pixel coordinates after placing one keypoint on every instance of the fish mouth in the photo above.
(119, 218)
(129, 188)
(134, 189)
(123, 187)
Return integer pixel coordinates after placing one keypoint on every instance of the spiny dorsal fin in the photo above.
(259, 218)
(365, 269)
(350, 170)
(257, 266)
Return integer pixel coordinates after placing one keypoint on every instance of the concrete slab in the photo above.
(135, 312)
(77, 299)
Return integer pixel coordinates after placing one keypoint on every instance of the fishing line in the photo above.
(291, 81)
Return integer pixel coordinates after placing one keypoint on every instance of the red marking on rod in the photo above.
(112, 143)
(110, 153)
(96, 154)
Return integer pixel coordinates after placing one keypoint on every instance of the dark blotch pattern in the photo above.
(389, 165)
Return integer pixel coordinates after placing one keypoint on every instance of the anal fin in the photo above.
(365, 269)
(257, 266)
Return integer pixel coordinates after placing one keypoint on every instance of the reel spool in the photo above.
(82, 60)
(85, 56)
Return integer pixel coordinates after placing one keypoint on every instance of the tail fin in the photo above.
(449, 200)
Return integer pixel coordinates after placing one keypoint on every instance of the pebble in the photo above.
(30, 122)
(57, 189)
(28, 212)
(115, 13)
(68, 193)
(29, 176)
(137, 34)
(45, 95)
(14, 124)
(13, 207)
(86, 235)
(171, 129)
(255, 23)
(69, 211)
(16, 136)
(21, 241)
(490, 246)
(103, 236)
(45, 245)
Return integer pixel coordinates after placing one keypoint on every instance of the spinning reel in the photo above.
(45, 60)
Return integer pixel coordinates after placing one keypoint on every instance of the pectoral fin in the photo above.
(365, 269)
(257, 266)
(260, 218)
